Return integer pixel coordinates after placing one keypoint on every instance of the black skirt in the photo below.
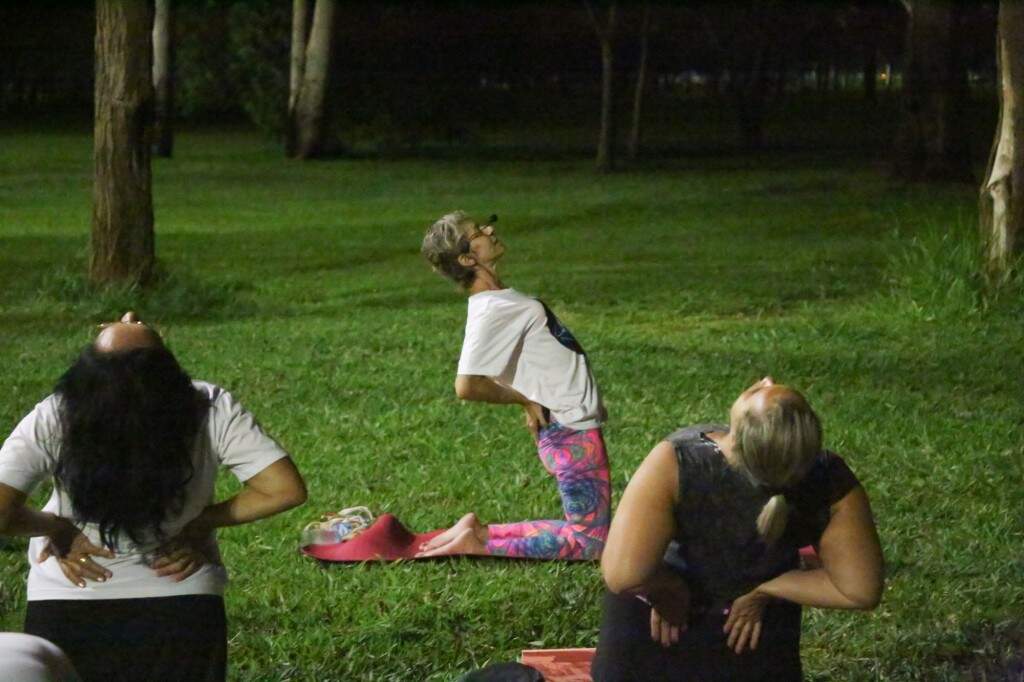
(127, 640)
(625, 650)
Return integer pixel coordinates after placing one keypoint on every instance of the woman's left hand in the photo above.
(744, 623)
(182, 555)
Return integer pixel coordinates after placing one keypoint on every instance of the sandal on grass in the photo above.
(335, 527)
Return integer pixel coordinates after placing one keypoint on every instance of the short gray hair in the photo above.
(444, 242)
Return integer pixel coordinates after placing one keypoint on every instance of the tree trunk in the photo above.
(121, 248)
(641, 78)
(1002, 192)
(163, 77)
(310, 115)
(871, 74)
(606, 140)
(605, 160)
(300, 21)
(931, 144)
(750, 92)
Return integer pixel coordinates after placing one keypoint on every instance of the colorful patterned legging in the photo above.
(578, 461)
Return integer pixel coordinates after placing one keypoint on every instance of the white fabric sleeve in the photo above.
(239, 441)
(492, 339)
(29, 455)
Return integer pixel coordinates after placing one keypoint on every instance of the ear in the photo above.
(467, 260)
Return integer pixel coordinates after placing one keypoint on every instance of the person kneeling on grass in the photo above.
(124, 572)
(516, 351)
(732, 505)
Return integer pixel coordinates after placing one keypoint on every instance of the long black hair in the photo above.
(130, 420)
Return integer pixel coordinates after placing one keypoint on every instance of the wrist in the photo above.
(201, 526)
(61, 527)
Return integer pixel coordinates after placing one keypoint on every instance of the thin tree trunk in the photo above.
(871, 74)
(121, 248)
(1002, 192)
(605, 161)
(606, 141)
(641, 79)
(750, 99)
(781, 76)
(310, 115)
(300, 21)
(931, 144)
(163, 77)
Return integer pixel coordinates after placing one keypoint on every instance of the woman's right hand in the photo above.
(74, 552)
(664, 632)
(534, 417)
(669, 596)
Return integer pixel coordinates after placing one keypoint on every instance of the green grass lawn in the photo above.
(299, 286)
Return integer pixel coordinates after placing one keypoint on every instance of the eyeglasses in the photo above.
(486, 229)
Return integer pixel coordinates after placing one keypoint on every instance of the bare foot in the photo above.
(465, 542)
(467, 521)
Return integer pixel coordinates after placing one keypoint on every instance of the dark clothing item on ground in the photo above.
(137, 640)
(503, 672)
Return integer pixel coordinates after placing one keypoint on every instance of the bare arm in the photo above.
(18, 520)
(67, 543)
(643, 524)
(850, 576)
(633, 558)
(486, 390)
(277, 488)
(851, 557)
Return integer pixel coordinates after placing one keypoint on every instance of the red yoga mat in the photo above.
(560, 665)
(388, 540)
(385, 540)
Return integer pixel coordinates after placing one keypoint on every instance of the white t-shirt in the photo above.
(229, 437)
(517, 341)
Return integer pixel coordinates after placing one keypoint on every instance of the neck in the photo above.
(485, 280)
(725, 444)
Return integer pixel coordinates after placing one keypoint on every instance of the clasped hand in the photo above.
(744, 622)
(178, 558)
(535, 419)
(670, 608)
(184, 554)
(74, 553)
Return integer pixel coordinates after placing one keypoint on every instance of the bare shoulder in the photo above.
(659, 472)
(853, 502)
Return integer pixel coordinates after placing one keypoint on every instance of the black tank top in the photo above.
(716, 542)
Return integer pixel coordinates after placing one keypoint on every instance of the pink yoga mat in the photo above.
(385, 540)
(388, 540)
(560, 665)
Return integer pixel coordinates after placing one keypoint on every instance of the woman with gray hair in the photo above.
(702, 562)
(515, 351)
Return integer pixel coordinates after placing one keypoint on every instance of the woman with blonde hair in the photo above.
(702, 563)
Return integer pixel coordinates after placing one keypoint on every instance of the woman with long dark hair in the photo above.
(702, 560)
(125, 575)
